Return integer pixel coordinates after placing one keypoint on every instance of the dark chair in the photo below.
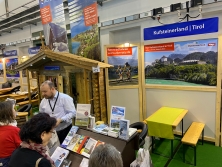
(15, 89)
(6, 85)
(33, 96)
(25, 108)
(143, 134)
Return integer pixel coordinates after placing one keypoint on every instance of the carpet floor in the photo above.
(208, 155)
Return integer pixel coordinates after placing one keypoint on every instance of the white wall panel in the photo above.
(200, 105)
(128, 98)
(2, 7)
(119, 8)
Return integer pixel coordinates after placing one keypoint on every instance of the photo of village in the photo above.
(10, 67)
(190, 63)
(125, 70)
(1, 68)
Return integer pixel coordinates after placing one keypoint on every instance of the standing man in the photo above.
(59, 106)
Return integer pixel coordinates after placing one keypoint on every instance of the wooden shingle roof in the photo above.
(48, 55)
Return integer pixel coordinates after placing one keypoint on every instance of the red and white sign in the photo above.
(123, 51)
(159, 47)
(46, 15)
(211, 44)
(90, 15)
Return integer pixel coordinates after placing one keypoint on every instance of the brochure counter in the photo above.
(125, 147)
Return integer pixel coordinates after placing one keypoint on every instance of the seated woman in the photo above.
(35, 135)
(105, 155)
(9, 132)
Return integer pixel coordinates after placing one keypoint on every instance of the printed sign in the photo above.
(190, 63)
(10, 66)
(127, 51)
(196, 27)
(53, 21)
(90, 14)
(34, 50)
(10, 53)
(84, 30)
(125, 66)
(159, 47)
(52, 68)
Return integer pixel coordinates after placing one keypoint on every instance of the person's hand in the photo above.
(58, 122)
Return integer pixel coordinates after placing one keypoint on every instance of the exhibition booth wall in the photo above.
(141, 100)
(203, 102)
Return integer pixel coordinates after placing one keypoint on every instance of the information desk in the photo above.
(126, 148)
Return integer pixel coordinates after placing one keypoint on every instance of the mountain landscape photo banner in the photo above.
(125, 62)
(83, 18)
(54, 25)
(187, 63)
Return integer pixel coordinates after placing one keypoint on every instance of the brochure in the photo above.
(99, 128)
(73, 142)
(66, 163)
(69, 136)
(124, 129)
(132, 131)
(59, 155)
(89, 147)
(84, 163)
(117, 113)
(82, 114)
(114, 132)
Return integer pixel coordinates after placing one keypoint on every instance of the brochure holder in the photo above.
(125, 147)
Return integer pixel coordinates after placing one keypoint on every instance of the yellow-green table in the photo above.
(163, 121)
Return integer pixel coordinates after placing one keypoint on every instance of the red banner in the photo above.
(46, 15)
(90, 14)
(123, 51)
(159, 47)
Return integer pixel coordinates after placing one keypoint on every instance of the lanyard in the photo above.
(54, 104)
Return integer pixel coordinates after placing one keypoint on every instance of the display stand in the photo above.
(126, 148)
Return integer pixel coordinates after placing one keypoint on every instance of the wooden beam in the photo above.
(72, 59)
(218, 125)
(30, 61)
(29, 91)
(65, 60)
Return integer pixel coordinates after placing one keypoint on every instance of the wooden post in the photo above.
(38, 88)
(29, 90)
(218, 138)
(87, 100)
(4, 69)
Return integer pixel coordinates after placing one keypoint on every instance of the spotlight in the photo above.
(175, 7)
(158, 11)
(196, 3)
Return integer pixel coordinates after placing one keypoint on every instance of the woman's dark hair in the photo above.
(6, 112)
(32, 130)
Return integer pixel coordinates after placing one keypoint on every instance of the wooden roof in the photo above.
(47, 55)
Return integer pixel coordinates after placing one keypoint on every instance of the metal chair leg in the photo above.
(153, 140)
(183, 153)
(182, 127)
(195, 156)
(202, 136)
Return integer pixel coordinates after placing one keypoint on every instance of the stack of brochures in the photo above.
(99, 128)
(70, 136)
(81, 144)
(132, 131)
(113, 132)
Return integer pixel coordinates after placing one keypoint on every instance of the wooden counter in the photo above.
(126, 148)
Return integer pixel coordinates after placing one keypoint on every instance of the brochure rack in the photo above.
(126, 148)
